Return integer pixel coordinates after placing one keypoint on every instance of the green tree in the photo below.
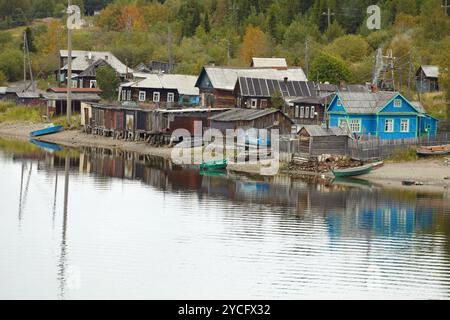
(277, 100)
(108, 81)
(350, 47)
(434, 21)
(329, 68)
(206, 24)
(11, 62)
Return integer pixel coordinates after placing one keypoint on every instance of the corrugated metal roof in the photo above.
(418, 106)
(243, 114)
(75, 96)
(313, 100)
(269, 63)
(224, 78)
(320, 131)
(29, 94)
(91, 71)
(365, 102)
(75, 90)
(183, 83)
(254, 87)
(430, 71)
(83, 59)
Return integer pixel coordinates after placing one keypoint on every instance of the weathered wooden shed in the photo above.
(252, 118)
(316, 140)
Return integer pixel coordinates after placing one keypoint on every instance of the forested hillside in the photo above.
(328, 38)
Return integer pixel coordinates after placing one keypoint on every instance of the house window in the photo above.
(404, 125)
(93, 84)
(74, 84)
(339, 103)
(342, 123)
(313, 109)
(142, 95)
(124, 95)
(306, 112)
(389, 125)
(129, 95)
(254, 103)
(302, 112)
(170, 97)
(397, 103)
(355, 125)
(156, 96)
(263, 103)
(296, 111)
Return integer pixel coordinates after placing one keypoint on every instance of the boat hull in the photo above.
(434, 150)
(352, 172)
(45, 131)
(214, 165)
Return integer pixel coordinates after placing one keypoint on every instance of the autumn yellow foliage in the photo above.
(255, 44)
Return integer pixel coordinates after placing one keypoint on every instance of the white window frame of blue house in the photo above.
(386, 125)
(357, 122)
(142, 95)
(402, 128)
(342, 123)
(397, 103)
(170, 97)
(339, 103)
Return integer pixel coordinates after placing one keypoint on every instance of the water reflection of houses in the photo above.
(379, 214)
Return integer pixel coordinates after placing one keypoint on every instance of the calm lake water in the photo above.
(137, 227)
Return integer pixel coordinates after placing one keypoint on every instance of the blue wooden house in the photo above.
(385, 115)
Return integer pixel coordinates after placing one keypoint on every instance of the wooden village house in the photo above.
(82, 61)
(384, 115)
(427, 79)
(161, 91)
(217, 84)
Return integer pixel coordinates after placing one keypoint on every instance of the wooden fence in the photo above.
(381, 149)
(369, 149)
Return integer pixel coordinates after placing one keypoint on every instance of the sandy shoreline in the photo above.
(429, 172)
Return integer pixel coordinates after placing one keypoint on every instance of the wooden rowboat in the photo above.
(434, 150)
(351, 172)
(214, 165)
(48, 130)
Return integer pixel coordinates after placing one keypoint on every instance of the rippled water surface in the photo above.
(137, 227)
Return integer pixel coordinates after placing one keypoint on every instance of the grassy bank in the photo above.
(10, 112)
(13, 113)
(403, 155)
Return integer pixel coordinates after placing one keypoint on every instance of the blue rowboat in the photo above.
(50, 147)
(49, 130)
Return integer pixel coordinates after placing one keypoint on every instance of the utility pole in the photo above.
(234, 8)
(24, 61)
(409, 76)
(306, 57)
(69, 72)
(446, 6)
(29, 63)
(169, 46)
(328, 14)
